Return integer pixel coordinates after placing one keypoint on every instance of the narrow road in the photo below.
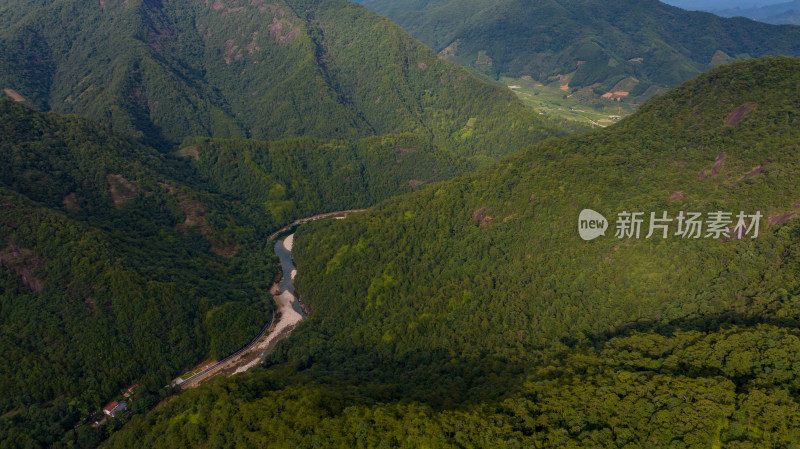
(300, 221)
(273, 332)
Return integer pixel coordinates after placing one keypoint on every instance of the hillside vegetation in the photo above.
(121, 265)
(627, 50)
(164, 71)
(471, 314)
(132, 238)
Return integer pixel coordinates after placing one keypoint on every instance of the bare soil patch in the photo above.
(414, 183)
(253, 47)
(22, 262)
(71, 201)
(449, 51)
(757, 170)
(194, 211)
(616, 95)
(14, 95)
(740, 113)
(718, 162)
(223, 251)
(121, 189)
(482, 217)
(11, 413)
(780, 219)
(402, 151)
(231, 51)
(276, 30)
(195, 218)
(678, 195)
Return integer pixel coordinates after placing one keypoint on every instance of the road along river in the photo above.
(290, 313)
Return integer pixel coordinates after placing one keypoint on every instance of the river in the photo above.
(283, 250)
(290, 312)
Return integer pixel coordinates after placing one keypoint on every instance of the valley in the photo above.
(554, 101)
(596, 44)
(252, 354)
(289, 314)
(455, 188)
(670, 330)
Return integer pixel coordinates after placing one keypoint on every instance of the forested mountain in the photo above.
(627, 50)
(114, 270)
(471, 314)
(121, 265)
(166, 70)
(132, 240)
(779, 13)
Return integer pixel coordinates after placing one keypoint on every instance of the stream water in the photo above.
(287, 265)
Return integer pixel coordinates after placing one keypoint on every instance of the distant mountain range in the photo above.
(779, 13)
(624, 50)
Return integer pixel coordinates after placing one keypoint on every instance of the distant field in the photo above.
(554, 101)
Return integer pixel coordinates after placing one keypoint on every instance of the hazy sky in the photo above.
(720, 4)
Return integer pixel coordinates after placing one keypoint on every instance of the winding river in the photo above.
(290, 312)
(283, 248)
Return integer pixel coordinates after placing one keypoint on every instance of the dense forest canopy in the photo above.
(123, 265)
(471, 314)
(164, 71)
(148, 148)
(114, 267)
(132, 245)
(629, 49)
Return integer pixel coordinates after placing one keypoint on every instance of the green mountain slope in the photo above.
(293, 178)
(628, 49)
(471, 313)
(114, 271)
(121, 265)
(491, 265)
(164, 71)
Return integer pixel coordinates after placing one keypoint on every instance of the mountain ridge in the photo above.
(165, 71)
(587, 46)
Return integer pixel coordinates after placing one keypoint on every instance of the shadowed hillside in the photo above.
(471, 313)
